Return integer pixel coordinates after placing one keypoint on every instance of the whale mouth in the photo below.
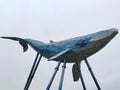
(105, 34)
(114, 30)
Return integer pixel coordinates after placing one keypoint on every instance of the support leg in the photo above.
(54, 74)
(81, 77)
(92, 74)
(33, 70)
(62, 75)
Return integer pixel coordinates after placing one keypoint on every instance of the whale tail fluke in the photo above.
(22, 42)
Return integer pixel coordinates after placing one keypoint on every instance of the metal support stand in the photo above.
(81, 77)
(33, 70)
(62, 75)
(36, 63)
(92, 74)
(54, 74)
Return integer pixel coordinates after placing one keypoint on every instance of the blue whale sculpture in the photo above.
(73, 50)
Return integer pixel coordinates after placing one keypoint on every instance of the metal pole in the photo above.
(62, 75)
(33, 70)
(81, 77)
(55, 72)
(92, 74)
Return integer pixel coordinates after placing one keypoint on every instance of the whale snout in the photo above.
(115, 30)
(110, 33)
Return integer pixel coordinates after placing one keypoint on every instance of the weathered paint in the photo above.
(74, 49)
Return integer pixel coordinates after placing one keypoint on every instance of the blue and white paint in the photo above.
(73, 50)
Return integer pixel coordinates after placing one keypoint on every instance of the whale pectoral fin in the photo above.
(21, 41)
(62, 53)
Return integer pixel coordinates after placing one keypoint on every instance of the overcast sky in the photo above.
(56, 20)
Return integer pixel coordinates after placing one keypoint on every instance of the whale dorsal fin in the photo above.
(51, 41)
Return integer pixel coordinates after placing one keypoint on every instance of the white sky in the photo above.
(46, 20)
